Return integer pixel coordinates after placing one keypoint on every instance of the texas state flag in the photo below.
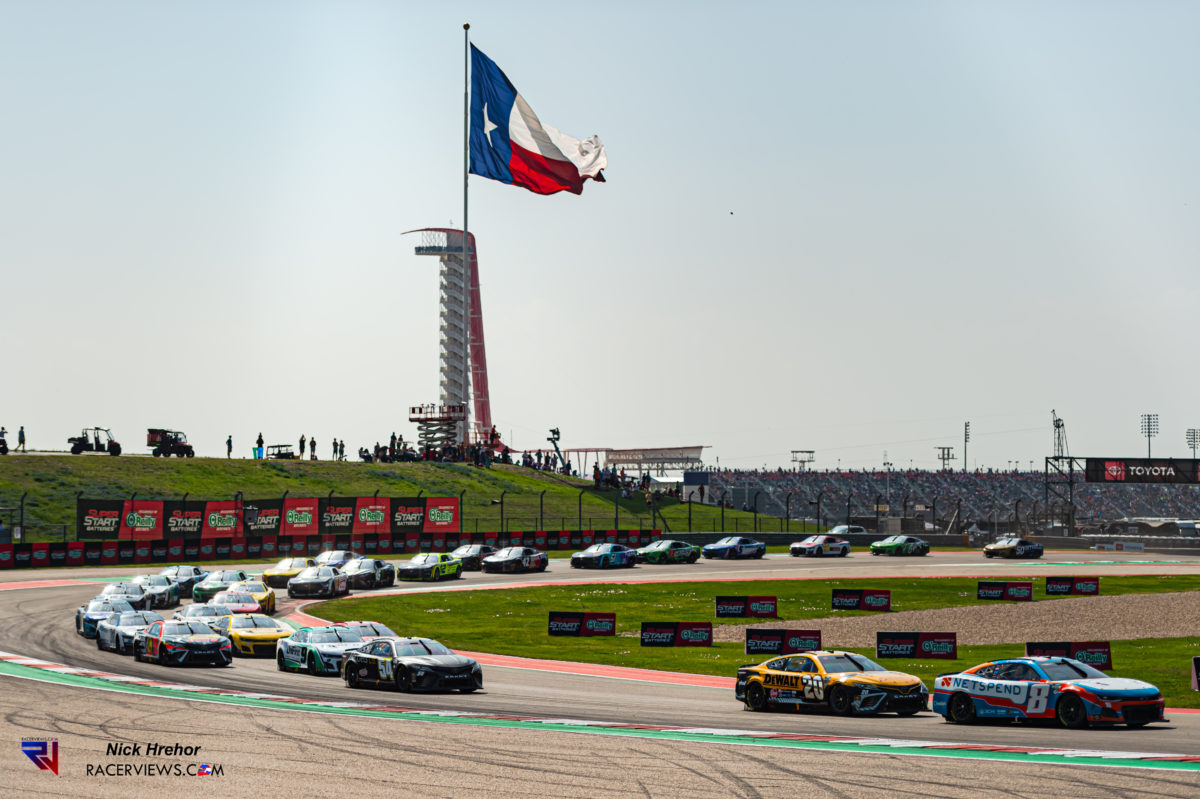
(508, 143)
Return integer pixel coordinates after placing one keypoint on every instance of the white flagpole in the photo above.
(466, 256)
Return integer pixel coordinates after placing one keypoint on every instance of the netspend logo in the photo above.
(43, 752)
(1114, 471)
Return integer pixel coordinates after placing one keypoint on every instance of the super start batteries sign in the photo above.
(677, 633)
(742, 606)
(582, 624)
(1011, 590)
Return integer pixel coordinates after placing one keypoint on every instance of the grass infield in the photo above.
(513, 622)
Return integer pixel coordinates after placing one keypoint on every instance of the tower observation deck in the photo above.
(464, 380)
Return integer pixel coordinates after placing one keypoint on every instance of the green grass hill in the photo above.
(53, 481)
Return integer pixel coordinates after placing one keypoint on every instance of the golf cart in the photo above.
(166, 443)
(280, 452)
(94, 439)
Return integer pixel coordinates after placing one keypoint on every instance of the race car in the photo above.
(370, 573)
(236, 602)
(409, 664)
(96, 610)
(900, 545)
(163, 592)
(430, 566)
(604, 556)
(132, 593)
(735, 546)
(1013, 547)
(472, 555)
(278, 575)
(185, 577)
(318, 649)
(818, 546)
(182, 643)
(337, 558)
(217, 581)
(845, 682)
(516, 559)
(369, 630)
(1071, 692)
(116, 632)
(206, 614)
(263, 594)
(319, 581)
(252, 634)
(669, 551)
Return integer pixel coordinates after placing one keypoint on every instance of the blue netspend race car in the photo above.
(735, 546)
(1072, 693)
(88, 616)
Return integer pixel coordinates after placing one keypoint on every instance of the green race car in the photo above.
(317, 650)
(900, 545)
(215, 583)
(430, 566)
(668, 551)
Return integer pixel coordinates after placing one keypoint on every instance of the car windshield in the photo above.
(251, 588)
(1005, 542)
(312, 572)
(232, 598)
(812, 539)
(186, 628)
(1070, 670)
(472, 549)
(658, 545)
(135, 619)
(199, 610)
(729, 540)
(892, 539)
(253, 622)
(427, 558)
(421, 646)
(99, 606)
(371, 628)
(836, 664)
(332, 635)
(595, 548)
(122, 588)
(292, 563)
(508, 552)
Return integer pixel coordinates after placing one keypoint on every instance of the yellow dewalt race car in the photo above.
(278, 575)
(845, 682)
(263, 594)
(252, 634)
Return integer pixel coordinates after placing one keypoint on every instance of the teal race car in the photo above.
(900, 545)
(318, 650)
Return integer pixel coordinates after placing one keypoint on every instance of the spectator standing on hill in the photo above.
(335, 455)
(258, 453)
(302, 440)
(342, 450)
(21, 438)
(229, 447)
(312, 449)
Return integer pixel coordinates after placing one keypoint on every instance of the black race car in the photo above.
(180, 643)
(324, 581)
(472, 555)
(516, 559)
(185, 577)
(369, 573)
(410, 664)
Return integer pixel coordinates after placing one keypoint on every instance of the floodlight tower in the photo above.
(1149, 428)
(464, 378)
(1193, 440)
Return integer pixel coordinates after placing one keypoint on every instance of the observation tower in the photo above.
(464, 381)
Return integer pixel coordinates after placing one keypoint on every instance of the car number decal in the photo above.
(814, 687)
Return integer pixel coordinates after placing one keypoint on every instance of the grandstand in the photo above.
(979, 497)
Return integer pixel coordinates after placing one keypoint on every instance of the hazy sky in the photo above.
(839, 226)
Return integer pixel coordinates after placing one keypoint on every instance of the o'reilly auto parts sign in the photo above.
(1142, 470)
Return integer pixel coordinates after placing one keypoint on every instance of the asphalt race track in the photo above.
(38, 623)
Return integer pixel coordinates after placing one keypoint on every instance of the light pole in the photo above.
(1193, 440)
(888, 481)
(1149, 428)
